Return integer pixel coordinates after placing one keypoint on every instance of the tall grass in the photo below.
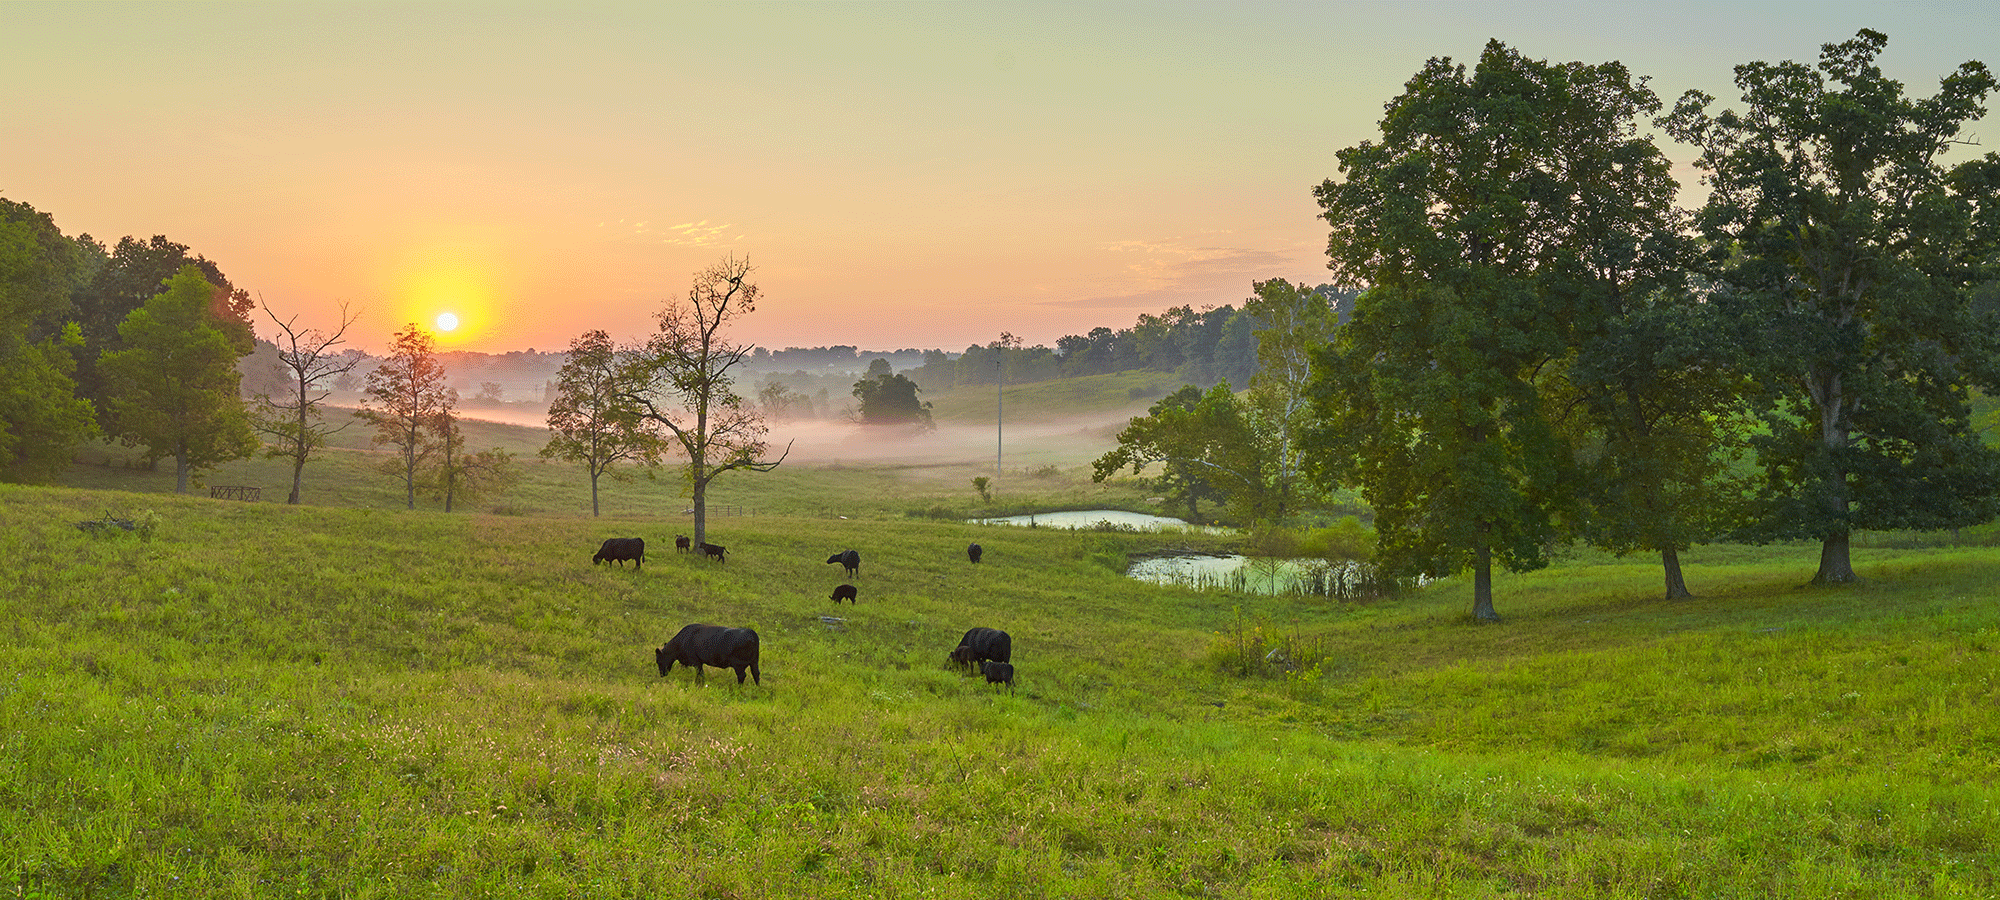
(264, 700)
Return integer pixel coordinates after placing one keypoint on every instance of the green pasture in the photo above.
(354, 700)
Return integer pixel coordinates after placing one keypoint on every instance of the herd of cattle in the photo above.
(983, 651)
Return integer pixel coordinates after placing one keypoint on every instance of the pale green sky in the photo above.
(902, 174)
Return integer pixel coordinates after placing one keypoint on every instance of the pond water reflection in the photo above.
(1339, 579)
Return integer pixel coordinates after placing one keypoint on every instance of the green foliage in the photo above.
(1208, 449)
(588, 423)
(39, 268)
(682, 382)
(407, 395)
(890, 399)
(1346, 539)
(984, 486)
(174, 386)
(1836, 231)
(457, 475)
(1292, 323)
(1470, 222)
(42, 420)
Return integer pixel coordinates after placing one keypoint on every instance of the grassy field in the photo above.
(353, 700)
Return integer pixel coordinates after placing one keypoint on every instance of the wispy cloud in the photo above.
(687, 234)
(1196, 271)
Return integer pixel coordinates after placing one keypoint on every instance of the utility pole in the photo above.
(1007, 340)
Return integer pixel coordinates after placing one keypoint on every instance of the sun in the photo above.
(447, 321)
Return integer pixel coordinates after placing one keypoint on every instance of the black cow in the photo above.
(981, 644)
(682, 544)
(620, 550)
(849, 559)
(714, 551)
(998, 673)
(844, 592)
(711, 645)
(972, 552)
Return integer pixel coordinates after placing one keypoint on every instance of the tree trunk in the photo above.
(593, 491)
(1482, 585)
(1834, 565)
(1670, 560)
(299, 448)
(180, 473)
(700, 511)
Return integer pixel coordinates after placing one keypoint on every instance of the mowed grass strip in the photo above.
(352, 702)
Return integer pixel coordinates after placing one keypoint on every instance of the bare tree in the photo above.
(588, 423)
(294, 424)
(681, 380)
(410, 387)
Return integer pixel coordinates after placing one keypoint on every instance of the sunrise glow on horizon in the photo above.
(901, 175)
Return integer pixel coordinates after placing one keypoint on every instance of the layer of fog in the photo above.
(1062, 442)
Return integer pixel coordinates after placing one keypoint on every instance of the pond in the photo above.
(1099, 519)
(1341, 580)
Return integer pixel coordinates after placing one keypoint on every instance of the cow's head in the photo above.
(665, 659)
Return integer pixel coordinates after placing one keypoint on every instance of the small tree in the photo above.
(681, 380)
(294, 423)
(890, 399)
(174, 385)
(459, 475)
(411, 397)
(1295, 321)
(1207, 447)
(782, 404)
(589, 423)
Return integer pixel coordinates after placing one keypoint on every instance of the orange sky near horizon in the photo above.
(902, 175)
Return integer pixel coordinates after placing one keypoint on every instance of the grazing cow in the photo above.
(844, 592)
(620, 550)
(711, 645)
(972, 552)
(998, 673)
(714, 551)
(849, 560)
(682, 544)
(981, 644)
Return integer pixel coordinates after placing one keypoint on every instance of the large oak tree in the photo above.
(1457, 222)
(1836, 226)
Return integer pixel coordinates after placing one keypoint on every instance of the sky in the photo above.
(910, 174)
